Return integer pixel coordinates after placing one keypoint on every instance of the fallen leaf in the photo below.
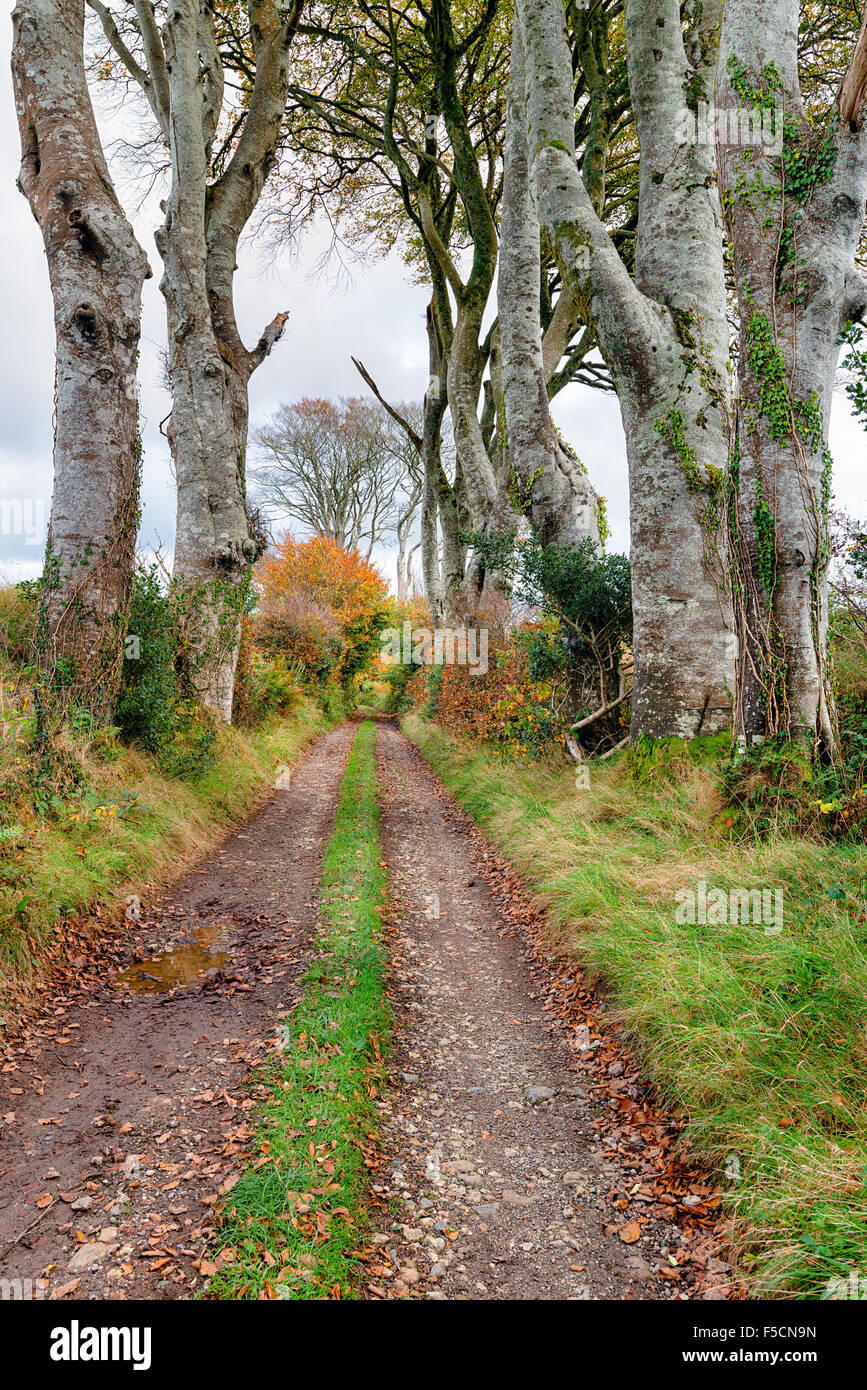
(63, 1290)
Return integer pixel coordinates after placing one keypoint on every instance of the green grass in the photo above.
(375, 695)
(295, 1215)
(760, 1041)
(126, 830)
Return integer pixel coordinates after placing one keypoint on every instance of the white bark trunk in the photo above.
(96, 268)
(794, 256)
(560, 503)
(664, 339)
(210, 367)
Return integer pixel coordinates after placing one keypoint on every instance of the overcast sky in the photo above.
(379, 319)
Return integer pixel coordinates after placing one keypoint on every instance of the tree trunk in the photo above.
(796, 211)
(664, 337)
(209, 365)
(213, 545)
(487, 502)
(558, 499)
(435, 405)
(96, 269)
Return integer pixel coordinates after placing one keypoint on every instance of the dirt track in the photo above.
(125, 1112)
(492, 1153)
(129, 1117)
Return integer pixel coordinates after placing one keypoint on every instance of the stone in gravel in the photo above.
(575, 1180)
(82, 1203)
(438, 1270)
(51, 1175)
(486, 1208)
(409, 1274)
(536, 1094)
(108, 1235)
(515, 1199)
(412, 1234)
(87, 1255)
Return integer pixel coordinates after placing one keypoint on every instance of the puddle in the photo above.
(181, 968)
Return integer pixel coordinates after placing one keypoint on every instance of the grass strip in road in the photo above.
(758, 1038)
(294, 1217)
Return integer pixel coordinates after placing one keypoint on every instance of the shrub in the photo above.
(320, 607)
(263, 685)
(587, 599)
(153, 709)
(188, 751)
(149, 694)
(777, 788)
(506, 708)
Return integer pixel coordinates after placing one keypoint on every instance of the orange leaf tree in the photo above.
(321, 606)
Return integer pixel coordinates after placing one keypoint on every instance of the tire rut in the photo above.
(490, 1152)
(123, 1114)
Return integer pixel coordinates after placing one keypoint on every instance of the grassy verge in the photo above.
(127, 830)
(759, 1039)
(294, 1217)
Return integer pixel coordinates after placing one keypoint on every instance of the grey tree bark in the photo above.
(795, 210)
(664, 337)
(181, 73)
(435, 406)
(560, 502)
(96, 269)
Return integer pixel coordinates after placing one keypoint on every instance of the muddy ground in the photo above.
(126, 1108)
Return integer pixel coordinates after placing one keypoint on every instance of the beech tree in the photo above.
(179, 53)
(558, 498)
(96, 269)
(399, 124)
(661, 328)
(795, 212)
(348, 470)
(380, 89)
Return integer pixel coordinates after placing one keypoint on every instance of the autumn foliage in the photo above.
(321, 607)
(505, 708)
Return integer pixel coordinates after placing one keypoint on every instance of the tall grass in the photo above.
(759, 1040)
